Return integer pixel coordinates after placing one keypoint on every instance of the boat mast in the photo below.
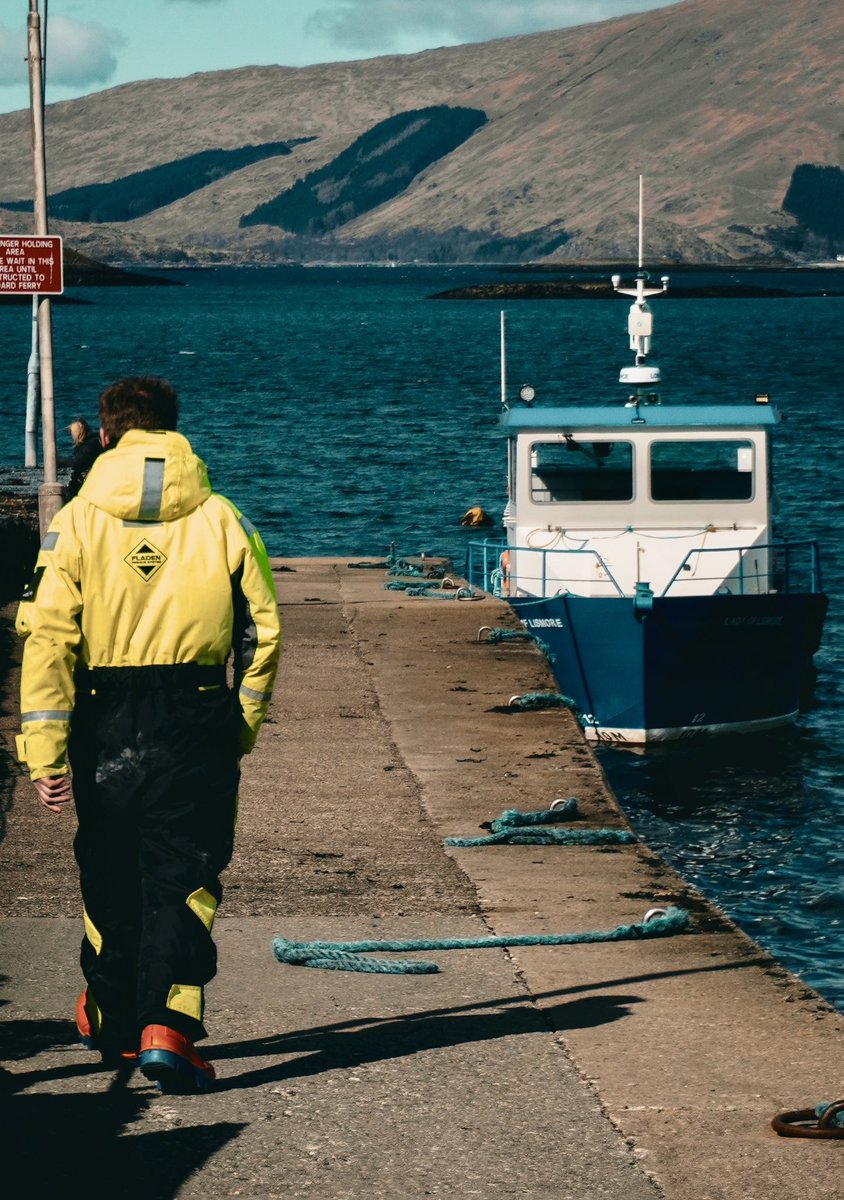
(640, 322)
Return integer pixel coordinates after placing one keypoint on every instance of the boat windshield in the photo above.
(571, 471)
(701, 470)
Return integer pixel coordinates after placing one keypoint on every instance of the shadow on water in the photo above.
(766, 771)
(752, 821)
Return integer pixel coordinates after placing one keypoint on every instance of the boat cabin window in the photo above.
(573, 471)
(702, 470)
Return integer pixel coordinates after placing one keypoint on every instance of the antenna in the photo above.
(640, 321)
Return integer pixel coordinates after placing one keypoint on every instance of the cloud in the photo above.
(364, 24)
(78, 53)
(12, 56)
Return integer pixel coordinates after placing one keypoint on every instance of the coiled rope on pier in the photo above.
(519, 828)
(439, 589)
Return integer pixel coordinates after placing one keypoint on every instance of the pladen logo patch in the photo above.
(145, 560)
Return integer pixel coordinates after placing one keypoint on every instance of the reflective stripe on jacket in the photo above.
(146, 566)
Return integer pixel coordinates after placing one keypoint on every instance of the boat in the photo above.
(641, 554)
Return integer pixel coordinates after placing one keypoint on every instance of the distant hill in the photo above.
(81, 271)
(730, 108)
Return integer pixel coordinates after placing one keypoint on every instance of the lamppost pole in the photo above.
(50, 493)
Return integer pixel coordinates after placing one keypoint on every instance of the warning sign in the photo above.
(31, 266)
(145, 560)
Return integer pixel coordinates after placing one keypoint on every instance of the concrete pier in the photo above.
(631, 1070)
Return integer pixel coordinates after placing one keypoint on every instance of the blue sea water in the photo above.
(344, 410)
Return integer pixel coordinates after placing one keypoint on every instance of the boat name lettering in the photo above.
(753, 620)
(545, 622)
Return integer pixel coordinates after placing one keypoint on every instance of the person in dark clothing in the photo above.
(86, 449)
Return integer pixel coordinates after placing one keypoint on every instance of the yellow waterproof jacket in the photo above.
(145, 567)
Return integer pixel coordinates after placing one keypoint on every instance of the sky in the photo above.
(97, 44)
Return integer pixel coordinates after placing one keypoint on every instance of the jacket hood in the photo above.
(148, 476)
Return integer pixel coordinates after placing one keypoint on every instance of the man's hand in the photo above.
(54, 792)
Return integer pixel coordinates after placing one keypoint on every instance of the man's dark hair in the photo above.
(139, 402)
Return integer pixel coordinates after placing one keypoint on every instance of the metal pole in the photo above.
(50, 493)
(32, 396)
(33, 374)
(503, 355)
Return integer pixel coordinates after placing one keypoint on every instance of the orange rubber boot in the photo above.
(171, 1060)
(91, 1033)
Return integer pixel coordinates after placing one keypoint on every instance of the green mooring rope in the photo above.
(517, 635)
(401, 566)
(542, 700)
(837, 1119)
(432, 589)
(514, 828)
(512, 635)
(344, 956)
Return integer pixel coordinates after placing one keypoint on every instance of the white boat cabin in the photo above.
(639, 499)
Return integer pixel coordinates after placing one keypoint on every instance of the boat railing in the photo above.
(784, 567)
(485, 567)
(765, 567)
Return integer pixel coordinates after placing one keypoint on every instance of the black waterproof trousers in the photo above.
(154, 755)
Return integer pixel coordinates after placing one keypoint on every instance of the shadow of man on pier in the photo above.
(350, 1044)
(347, 1044)
(80, 1144)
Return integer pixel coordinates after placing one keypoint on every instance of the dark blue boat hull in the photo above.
(685, 666)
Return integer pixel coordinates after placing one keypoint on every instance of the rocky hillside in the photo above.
(733, 111)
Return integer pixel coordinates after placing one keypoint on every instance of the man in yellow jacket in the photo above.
(146, 584)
